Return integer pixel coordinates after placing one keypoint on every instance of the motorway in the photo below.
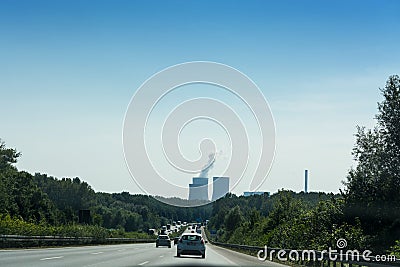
(125, 255)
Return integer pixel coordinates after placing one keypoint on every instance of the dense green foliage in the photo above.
(42, 200)
(373, 186)
(286, 219)
(395, 250)
(19, 194)
(17, 226)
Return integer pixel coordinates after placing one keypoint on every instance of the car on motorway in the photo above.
(163, 230)
(151, 231)
(191, 244)
(163, 240)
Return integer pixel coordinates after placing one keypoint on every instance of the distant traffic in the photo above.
(187, 236)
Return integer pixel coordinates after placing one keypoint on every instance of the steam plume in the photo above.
(208, 166)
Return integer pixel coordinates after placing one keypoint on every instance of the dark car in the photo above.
(163, 240)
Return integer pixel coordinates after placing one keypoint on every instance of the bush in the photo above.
(16, 226)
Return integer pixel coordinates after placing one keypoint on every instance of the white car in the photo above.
(191, 244)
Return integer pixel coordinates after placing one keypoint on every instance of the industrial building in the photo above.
(198, 190)
(248, 193)
(220, 187)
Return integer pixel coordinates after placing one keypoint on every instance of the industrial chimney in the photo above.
(306, 181)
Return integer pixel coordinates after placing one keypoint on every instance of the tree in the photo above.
(7, 156)
(285, 208)
(373, 187)
(19, 194)
(233, 219)
(389, 126)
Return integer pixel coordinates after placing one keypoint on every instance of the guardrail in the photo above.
(320, 259)
(9, 241)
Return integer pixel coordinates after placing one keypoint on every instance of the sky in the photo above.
(68, 70)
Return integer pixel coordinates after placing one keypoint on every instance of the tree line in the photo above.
(46, 200)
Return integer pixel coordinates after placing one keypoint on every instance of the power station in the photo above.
(220, 187)
(198, 189)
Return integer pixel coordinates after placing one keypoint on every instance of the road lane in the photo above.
(124, 255)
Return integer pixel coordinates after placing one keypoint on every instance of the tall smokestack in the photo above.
(306, 181)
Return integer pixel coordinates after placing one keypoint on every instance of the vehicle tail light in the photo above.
(202, 242)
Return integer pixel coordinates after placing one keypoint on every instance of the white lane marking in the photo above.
(95, 253)
(35, 249)
(230, 262)
(161, 256)
(143, 263)
(52, 258)
(121, 249)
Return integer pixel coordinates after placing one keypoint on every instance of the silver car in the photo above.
(191, 244)
(163, 240)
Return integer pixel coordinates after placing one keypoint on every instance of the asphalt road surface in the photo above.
(125, 255)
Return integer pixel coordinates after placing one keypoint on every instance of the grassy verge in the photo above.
(98, 235)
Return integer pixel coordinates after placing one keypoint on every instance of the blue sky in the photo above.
(69, 68)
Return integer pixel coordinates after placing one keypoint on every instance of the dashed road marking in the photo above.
(96, 253)
(52, 258)
(143, 263)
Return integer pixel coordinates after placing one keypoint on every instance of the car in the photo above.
(151, 231)
(163, 240)
(176, 239)
(191, 244)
